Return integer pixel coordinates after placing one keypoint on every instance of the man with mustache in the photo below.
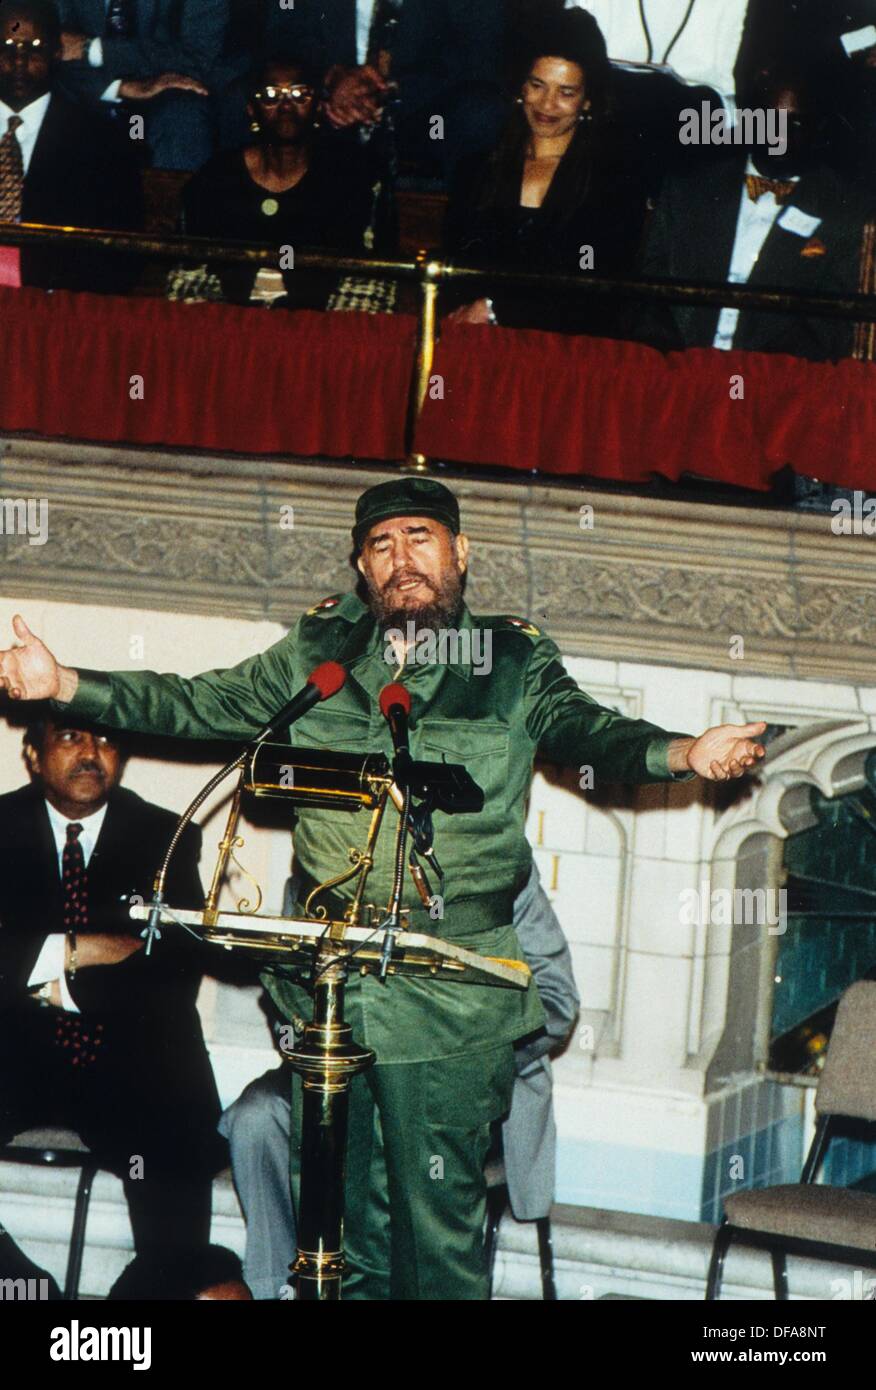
(444, 1068)
(95, 1036)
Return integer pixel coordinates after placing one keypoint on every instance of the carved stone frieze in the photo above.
(654, 581)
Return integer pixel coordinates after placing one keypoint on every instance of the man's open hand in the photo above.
(105, 948)
(74, 46)
(354, 94)
(726, 751)
(476, 312)
(30, 671)
(145, 88)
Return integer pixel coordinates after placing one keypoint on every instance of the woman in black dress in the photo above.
(285, 188)
(555, 195)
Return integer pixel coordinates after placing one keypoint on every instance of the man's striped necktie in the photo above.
(11, 173)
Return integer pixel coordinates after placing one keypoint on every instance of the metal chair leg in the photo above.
(780, 1274)
(77, 1235)
(497, 1201)
(546, 1259)
(716, 1265)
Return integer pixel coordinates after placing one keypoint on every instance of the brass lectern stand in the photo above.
(325, 950)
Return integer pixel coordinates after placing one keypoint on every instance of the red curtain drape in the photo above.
(241, 380)
(620, 410)
(213, 376)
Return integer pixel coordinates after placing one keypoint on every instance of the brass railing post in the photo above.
(430, 269)
(326, 1059)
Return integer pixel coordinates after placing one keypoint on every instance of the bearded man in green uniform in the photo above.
(444, 1066)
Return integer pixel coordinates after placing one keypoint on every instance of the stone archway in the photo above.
(747, 852)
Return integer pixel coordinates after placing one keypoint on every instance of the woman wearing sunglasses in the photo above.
(283, 188)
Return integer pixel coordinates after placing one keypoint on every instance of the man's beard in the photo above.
(441, 611)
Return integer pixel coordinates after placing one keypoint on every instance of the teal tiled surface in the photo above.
(851, 1158)
(831, 932)
(818, 958)
(770, 1155)
(691, 1187)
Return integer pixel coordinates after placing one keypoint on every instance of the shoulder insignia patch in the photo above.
(324, 605)
(523, 626)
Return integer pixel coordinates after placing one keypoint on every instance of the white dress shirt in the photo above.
(364, 13)
(753, 225)
(95, 59)
(32, 117)
(704, 53)
(50, 961)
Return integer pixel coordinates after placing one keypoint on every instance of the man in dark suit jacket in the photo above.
(839, 35)
(157, 54)
(780, 221)
(95, 1035)
(445, 55)
(76, 172)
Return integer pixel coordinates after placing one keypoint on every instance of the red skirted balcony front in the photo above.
(226, 379)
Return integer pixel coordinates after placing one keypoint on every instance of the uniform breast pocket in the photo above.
(337, 731)
(481, 748)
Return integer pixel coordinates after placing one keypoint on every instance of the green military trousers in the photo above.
(416, 1194)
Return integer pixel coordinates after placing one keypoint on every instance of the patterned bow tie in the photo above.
(781, 190)
(11, 173)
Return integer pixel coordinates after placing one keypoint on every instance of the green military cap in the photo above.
(405, 497)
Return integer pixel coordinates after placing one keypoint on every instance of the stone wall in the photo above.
(202, 561)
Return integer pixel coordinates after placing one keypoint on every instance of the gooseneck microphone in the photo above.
(325, 681)
(395, 706)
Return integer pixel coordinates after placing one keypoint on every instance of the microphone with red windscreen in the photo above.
(323, 682)
(395, 706)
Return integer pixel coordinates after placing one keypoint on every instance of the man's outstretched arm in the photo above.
(571, 728)
(231, 703)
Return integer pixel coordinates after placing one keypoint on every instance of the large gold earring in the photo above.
(519, 101)
(254, 126)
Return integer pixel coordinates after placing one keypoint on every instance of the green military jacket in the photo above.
(493, 717)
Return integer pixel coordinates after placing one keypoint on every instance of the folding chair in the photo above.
(498, 1203)
(61, 1148)
(802, 1218)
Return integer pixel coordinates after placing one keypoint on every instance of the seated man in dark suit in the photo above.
(95, 1035)
(779, 220)
(445, 56)
(158, 55)
(58, 163)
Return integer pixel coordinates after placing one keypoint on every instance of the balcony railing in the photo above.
(428, 271)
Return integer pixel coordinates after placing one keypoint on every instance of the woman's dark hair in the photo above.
(167, 1275)
(575, 36)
